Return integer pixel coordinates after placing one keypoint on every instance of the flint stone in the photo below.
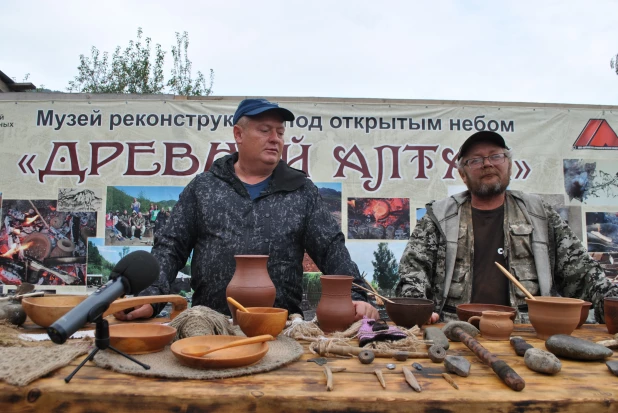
(542, 361)
(458, 365)
(612, 365)
(576, 348)
(520, 345)
(437, 336)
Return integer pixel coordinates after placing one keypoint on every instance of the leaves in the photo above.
(139, 69)
(385, 268)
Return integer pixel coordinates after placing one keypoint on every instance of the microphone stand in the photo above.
(101, 341)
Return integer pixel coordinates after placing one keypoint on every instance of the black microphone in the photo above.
(131, 275)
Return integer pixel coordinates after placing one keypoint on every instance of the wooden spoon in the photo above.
(202, 350)
(236, 304)
(515, 281)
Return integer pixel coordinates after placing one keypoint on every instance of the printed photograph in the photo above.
(44, 246)
(135, 213)
(103, 258)
(80, 200)
(379, 218)
(602, 231)
(591, 182)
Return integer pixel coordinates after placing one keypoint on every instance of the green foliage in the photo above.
(385, 268)
(312, 287)
(97, 264)
(138, 69)
(125, 251)
(118, 200)
(181, 82)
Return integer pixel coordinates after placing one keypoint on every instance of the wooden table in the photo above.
(301, 386)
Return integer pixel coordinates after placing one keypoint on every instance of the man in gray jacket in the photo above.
(451, 255)
(251, 202)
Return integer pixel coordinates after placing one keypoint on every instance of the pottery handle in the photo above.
(179, 303)
(473, 318)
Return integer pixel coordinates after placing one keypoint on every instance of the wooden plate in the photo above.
(227, 358)
(134, 338)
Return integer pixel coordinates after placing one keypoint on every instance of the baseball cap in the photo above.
(482, 136)
(252, 107)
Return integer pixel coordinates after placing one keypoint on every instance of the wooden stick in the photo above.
(378, 299)
(515, 281)
(22, 295)
(329, 378)
(411, 379)
(450, 380)
(323, 349)
(378, 373)
(373, 292)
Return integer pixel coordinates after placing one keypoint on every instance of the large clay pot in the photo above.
(554, 315)
(494, 325)
(335, 310)
(251, 285)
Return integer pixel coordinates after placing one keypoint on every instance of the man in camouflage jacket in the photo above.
(539, 248)
(218, 217)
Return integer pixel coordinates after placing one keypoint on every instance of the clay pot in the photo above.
(64, 248)
(610, 307)
(554, 315)
(409, 312)
(335, 311)
(251, 285)
(495, 325)
(466, 311)
(585, 310)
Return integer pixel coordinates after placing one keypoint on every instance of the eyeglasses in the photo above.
(477, 163)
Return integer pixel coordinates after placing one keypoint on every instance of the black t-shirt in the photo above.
(489, 285)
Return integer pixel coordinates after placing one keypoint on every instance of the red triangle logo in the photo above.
(597, 134)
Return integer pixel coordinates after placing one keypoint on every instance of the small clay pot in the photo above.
(495, 325)
(408, 312)
(554, 315)
(465, 311)
(335, 311)
(585, 310)
(610, 308)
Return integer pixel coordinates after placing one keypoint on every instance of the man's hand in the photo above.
(145, 311)
(435, 317)
(365, 309)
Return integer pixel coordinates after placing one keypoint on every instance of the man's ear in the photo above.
(463, 177)
(238, 134)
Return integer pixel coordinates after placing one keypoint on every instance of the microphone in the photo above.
(131, 275)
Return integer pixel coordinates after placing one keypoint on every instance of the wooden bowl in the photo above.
(227, 358)
(262, 320)
(554, 315)
(44, 311)
(408, 312)
(465, 311)
(585, 311)
(135, 338)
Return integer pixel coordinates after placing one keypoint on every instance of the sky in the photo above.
(513, 50)
(153, 193)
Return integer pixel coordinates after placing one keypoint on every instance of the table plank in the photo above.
(301, 386)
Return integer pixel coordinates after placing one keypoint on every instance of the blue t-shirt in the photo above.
(256, 189)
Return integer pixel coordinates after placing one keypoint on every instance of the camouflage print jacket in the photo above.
(216, 219)
(541, 251)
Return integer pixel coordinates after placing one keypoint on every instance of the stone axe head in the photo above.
(466, 327)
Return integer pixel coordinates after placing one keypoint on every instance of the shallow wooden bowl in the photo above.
(44, 311)
(408, 312)
(465, 311)
(262, 320)
(226, 358)
(135, 338)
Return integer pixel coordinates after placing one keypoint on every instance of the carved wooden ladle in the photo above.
(238, 305)
(202, 350)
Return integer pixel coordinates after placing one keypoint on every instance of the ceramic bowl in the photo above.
(44, 311)
(585, 310)
(228, 358)
(262, 320)
(138, 338)
(465, 311)
(408, 312)
(554, 315)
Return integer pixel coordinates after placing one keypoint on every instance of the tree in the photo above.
(614, 63)
(138, 69)
(384, 267)
(124, 252)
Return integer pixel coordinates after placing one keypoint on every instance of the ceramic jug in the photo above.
(335, 311)
(494, 325)
(251, 285)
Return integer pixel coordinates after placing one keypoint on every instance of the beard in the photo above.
(481, 189)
